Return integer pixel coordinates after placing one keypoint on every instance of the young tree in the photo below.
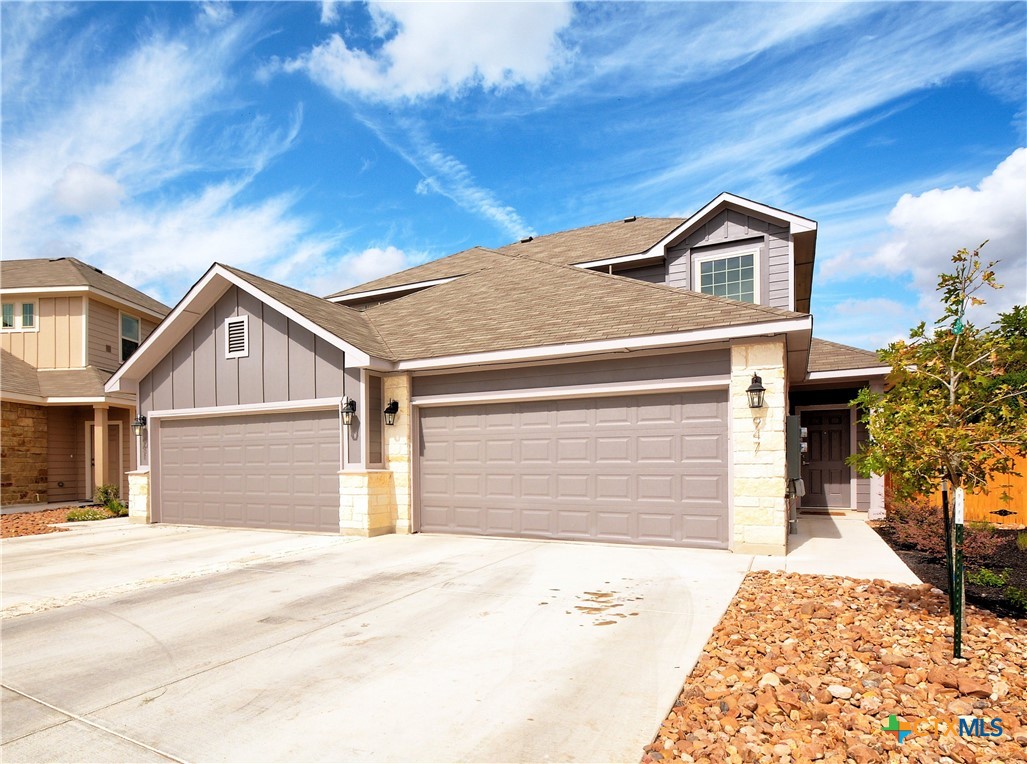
(952, 416)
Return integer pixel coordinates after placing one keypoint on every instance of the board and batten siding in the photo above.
(286, 362)
(57, 343)
(105, 334)
(731, 231)
(712, 364)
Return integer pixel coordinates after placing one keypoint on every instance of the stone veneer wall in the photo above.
(377, 501)
(23, 453)
(139, 495)
(759, 479)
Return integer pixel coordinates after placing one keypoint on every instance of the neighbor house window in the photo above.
(732, 276)
(19, 316)
(129, 335)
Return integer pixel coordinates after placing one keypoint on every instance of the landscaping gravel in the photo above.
(809, 668)
(32, 523)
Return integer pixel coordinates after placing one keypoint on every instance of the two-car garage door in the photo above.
(647, 469)
(276, 471)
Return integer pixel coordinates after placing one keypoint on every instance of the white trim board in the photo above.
(206, 412)
(65, 290)
(873, 371)
(580, 391)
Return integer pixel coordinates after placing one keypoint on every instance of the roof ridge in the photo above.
(594, 225)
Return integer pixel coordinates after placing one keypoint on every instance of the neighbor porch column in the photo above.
(100, 451)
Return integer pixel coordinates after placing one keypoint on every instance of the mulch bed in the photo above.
(32, 523)
(1008, 559)
(808, 668)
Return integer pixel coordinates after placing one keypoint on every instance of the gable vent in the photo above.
(237, 337)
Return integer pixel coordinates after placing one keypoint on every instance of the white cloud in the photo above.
(442, 48)
(928, 228)
(96, 162)
(82, 190)
(329, 11)
(870, 323)
(325, 272)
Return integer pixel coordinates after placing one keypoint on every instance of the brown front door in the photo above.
(825, 473)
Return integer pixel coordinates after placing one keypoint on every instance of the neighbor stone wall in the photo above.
(139, 495)
(759, 478)
(23, 453)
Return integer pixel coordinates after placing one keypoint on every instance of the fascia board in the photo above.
(874, 371)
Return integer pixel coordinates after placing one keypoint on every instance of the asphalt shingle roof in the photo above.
(580, 245)
(832, 356)
(518, 302)
(20, 378)
(70, 272)
(17, 376)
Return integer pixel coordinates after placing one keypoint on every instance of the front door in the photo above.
(114, 465)
(824, 472)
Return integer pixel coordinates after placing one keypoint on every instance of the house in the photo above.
(67, 326)
(584, 385)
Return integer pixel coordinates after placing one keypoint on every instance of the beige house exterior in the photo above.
(588, 385)
(66, 328)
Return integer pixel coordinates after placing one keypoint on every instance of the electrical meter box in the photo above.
(795, 446)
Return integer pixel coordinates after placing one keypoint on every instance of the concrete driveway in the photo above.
(222, 645)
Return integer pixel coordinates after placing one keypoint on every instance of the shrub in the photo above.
(117, 508)
(1017, 596)
(89, 513)
(915, 524)
(1021, 541)
(985, 577)
(106, 493)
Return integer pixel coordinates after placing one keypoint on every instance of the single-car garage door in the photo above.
(645, 469)
(276, 471)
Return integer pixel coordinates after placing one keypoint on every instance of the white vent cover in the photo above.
(237, 337)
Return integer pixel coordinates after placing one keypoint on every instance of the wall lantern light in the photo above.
(390, 412)
(347, 409)
(756, 391)
(139, 426)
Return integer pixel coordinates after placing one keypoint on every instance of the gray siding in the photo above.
(677, 366)
(355, 432)
(286, 362)
(730, 231)
(653, 274)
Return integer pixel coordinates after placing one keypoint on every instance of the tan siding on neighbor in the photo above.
(104, 336)
(58, 342)
(66, 446)
(285, 362)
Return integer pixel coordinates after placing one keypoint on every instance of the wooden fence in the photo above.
(990, 507)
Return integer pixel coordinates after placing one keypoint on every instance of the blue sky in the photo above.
(324, 144)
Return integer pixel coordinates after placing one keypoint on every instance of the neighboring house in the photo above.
(584, 385)
(66, 328)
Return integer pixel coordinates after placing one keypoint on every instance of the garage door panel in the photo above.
(260, 471)
(642, 469)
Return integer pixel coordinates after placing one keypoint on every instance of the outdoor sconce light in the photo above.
(756, 391)
(390, 412)
(347, 410)
(139, 426)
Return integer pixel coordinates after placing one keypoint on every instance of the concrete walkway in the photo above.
(838, 546)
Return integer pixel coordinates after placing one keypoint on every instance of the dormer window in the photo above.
(237, 337)
(129, 335)
(735, 276)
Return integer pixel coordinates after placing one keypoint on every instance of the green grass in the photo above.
(1021, 541)
(90, 513)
